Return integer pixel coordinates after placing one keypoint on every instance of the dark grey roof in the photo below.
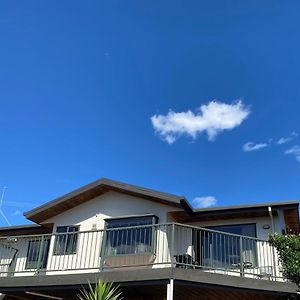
(248, 206)
(146, 193)
(17, 227)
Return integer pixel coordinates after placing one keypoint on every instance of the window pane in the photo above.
(62, 229)
(60, 242)
(242, 229)
(73, 229)
(71, 243)
(32, 254)
(66, 244)
(34, 248)
(127, 240)
(126, 222)
(224, 251)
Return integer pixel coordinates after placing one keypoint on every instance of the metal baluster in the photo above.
(41, 252)
(241, 257)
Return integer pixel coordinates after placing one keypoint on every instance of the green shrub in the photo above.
(101, 291)
(288, 248)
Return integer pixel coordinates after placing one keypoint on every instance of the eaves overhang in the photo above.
(97, 188)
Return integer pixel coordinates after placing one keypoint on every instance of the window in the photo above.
(137, 240)
(227, 251)
(66, 243)
(33, 254)
(241, 229)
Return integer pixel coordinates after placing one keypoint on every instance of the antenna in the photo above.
(1, 203)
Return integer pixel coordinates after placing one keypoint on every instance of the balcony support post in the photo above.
(170, 290)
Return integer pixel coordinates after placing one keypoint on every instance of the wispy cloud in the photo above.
(294, 151)
(284, 140)
(249, 147)
(16, 213)
(288, 139)
(204, 202)
(212, 118)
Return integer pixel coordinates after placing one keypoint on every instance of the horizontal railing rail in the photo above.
(152, 246)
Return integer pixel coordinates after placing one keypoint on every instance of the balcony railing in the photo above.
(149, 246)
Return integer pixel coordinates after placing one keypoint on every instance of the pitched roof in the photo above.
(103, 185)
(95, 189)
(290, 211)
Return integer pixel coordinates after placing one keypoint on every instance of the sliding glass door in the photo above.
(217, 250)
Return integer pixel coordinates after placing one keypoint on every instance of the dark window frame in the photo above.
(111, 236)
(66, 242)
(234, 225)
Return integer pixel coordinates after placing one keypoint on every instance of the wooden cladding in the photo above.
(184, 217)
(291, 218)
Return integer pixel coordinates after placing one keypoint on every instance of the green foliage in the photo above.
(288, 248)
(101, 291)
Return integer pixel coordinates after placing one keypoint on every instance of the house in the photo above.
(153, 244)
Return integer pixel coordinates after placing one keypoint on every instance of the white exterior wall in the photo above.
(92, 214)
(109, 205)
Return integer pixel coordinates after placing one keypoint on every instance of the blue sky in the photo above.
(80, 82)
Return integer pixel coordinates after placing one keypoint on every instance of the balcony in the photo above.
(136, 248)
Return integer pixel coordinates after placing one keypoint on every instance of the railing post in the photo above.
(241, 257)
(172, 245)
(103, 250)
(211, 252)
(41, 254)
(274, 262)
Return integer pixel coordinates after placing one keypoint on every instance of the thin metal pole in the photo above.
(272, 219)
(273, 231)
(170, 290)
(103, 250)
(241, 257)
(41, 255)
(172, 246)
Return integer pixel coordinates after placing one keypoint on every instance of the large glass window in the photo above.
(37, 250)
(240, 229)
(227, 251)
(122, 239)
(66, 243)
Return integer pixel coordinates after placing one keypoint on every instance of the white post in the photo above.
(170, 289)
(272, 220)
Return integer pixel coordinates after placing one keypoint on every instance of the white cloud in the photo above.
(248, 147)
(204, 202)
(285, 140)
(294, 151)
(211, 118)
